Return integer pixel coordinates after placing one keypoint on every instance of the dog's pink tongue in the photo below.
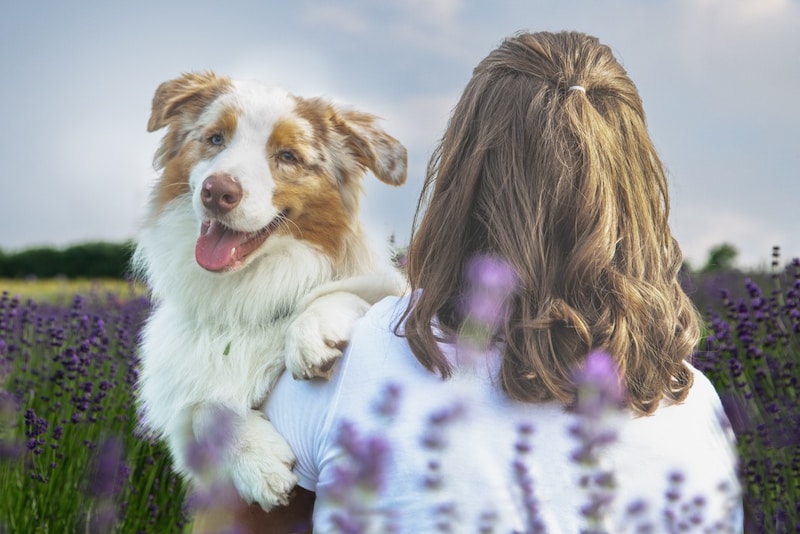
(216, 246)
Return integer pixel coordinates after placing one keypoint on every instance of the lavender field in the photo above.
(752, 355)
(71, 459)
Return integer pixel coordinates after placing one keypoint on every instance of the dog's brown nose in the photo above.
(221, 193)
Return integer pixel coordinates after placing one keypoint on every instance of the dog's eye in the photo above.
(216, 139)
(287, 156)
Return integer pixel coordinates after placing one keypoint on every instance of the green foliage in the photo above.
(39, 262)
(720, 258)
(84, 260)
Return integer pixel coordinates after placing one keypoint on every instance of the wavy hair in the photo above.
(565, 186)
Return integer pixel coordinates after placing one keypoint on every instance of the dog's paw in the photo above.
(318, 336)
(267, 481)
(261, 469)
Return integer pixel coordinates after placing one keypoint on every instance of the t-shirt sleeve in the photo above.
(299, 410)
(304, 411)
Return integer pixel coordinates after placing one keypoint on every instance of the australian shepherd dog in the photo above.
(256, 261)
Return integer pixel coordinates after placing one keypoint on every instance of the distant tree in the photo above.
(96, 260)
(85, 260)
(720, 258)
(40, 262)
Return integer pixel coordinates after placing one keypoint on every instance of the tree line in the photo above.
(85, 260)
(112, 260)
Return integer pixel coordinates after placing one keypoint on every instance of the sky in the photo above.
(719, 80)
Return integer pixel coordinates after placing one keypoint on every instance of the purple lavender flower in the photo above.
(368, 455)
(217, 496)
(35, 428)
(109, 471)
(434, 436)
(207, 451)
(525, 481)
(348, 523)
(599, 397)
(10, 448)
(358, 478)
(491, 283)
(750, 356)
(736, 413)
(105, 481)
(599, 385)
(59, 364)
(388, 404)
(637, 518)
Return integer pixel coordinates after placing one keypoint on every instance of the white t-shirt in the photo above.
(392, 447)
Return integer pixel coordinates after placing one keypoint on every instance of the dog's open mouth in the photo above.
(220, 248)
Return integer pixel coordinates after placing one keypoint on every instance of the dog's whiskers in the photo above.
(284, 222)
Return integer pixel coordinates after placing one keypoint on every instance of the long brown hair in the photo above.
(565, 185)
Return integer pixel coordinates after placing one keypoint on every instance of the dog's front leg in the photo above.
(317, 337)
(244, 449)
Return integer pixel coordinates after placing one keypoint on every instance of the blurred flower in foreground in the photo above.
(599, 399)
(109, 472)
(359, 479)
(599, 385)
(10, 449)
(213, 492)
(525, 480)
(213, 436)
(106, 479)
(491, 284)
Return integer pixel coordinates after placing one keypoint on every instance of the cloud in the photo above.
(401, 27)
(343, 18)
(431, 11)
(733, 48)
(744, 13)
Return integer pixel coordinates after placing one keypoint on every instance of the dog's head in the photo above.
(258, 162)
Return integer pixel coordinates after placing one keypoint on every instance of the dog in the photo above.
(256, 261)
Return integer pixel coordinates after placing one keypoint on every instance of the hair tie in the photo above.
(577, 88)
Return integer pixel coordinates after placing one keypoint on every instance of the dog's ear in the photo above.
(185, 96)
(376, 150)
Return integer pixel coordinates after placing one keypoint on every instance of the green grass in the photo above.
(70, 459)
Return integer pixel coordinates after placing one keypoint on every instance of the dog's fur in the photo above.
(256, 261)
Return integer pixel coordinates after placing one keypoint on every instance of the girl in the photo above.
(541, 238)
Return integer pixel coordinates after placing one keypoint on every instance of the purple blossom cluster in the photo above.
(599, 397)
(67, 420)
(491, 284)
(751, 354)
(69, 449)
(358, 479)
(525, 481)
(360, 474)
